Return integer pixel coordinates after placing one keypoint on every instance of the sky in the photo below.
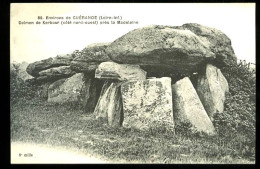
(33, 42)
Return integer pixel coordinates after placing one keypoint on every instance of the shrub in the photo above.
(237, 122)
(20, 89)
(186, 129)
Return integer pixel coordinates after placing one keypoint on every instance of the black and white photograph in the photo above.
(132, 83)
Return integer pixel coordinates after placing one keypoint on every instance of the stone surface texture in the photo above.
(57, 71)
(90, 57)
(160, 47)
(122, 72)
(60, 60)
(212, 87)
(109, 108)
(216, 40)
(187, 107)
(148, 103)
(72, 89)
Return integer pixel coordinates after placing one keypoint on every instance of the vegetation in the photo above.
(20, 90)
(35, 120)
(237, 123)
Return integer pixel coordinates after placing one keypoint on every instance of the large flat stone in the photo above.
(157, 47)
(122, 72)
(57, 72)
(215, 40)
(82, 66)
(90, 57)
(60, 60)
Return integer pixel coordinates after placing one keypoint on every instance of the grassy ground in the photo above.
(66, 125)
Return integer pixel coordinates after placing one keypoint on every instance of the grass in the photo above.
(67, 125)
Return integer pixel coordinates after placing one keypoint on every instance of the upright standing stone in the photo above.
(43, 90)
(212, 87)
(77, 88)
(148, 103)
(187, 107)
(92, 95)
(67, 90)
(109, 107)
